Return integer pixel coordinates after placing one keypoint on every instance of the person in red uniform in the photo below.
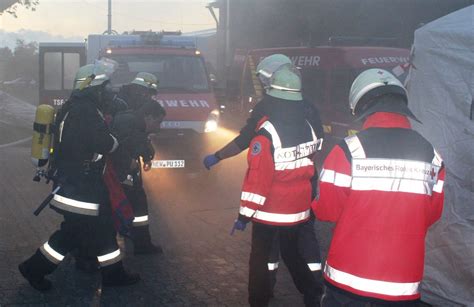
(276, 193)
(383, 187)
(308, 243)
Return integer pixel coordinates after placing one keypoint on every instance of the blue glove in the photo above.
(210, 160)
(240, 223)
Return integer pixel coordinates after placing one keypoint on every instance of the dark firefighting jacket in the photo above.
(130, 130)
(134, 95)
(383, 187)
(263, 108)
(81, 141)
(277, 186)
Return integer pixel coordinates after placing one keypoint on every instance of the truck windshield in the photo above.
(173, 72)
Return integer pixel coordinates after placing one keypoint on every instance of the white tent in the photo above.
(441, 87)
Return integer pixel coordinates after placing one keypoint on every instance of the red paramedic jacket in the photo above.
(383, 188)
(277, 186)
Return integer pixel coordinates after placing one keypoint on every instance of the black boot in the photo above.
(36, 281)
(142, 242)
(35, 269)
(115, 276)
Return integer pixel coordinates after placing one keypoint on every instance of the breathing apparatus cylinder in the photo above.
(42, 135)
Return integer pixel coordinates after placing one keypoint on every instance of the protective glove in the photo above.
(147, 155)
(147, 166)
(210, 160)
(240, 223)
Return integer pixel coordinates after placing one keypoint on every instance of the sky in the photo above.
(69, 20)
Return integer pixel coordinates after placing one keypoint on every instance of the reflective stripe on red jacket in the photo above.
(277, 187)
(384, 188)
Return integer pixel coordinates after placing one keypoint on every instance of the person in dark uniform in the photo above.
(308, 243)
(82, 139)
(141, 89)
(132, 128)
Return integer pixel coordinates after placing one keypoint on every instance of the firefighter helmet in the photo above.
(270, 64)
(88, 76)
(146, 80)
(370, 85)
(285, 84)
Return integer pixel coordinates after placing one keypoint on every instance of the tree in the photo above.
(24, 49)
(24, 61)
(5, 53)
(11, 6)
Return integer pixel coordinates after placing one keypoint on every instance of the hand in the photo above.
(147, 166)
(240, 223)
(210, 160)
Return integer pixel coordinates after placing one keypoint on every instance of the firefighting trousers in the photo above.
(308, 246)
(335, 297)
(263, 238)
(137, 197)
(97, 232)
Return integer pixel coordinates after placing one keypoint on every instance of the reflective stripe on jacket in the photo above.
(277, 186)
(82, 139)
(384, 188)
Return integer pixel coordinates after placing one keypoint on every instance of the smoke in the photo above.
(8, 39)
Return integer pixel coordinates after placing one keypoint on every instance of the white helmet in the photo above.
(285, 84)
(371, 84)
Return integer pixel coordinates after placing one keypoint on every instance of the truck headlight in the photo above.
(211, 125)
(212, 121)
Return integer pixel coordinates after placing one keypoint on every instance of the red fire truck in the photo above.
(185, 89)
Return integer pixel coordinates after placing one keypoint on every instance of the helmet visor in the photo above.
(104, 68)
(266, 74)
(95, 74)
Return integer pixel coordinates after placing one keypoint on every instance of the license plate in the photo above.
(167, 164)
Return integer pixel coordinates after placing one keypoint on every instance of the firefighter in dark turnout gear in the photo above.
(308, 243)
(383, 187)
(132, 129)
(276, 193)
(81, 141)
(129, 126)
(139, 90)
